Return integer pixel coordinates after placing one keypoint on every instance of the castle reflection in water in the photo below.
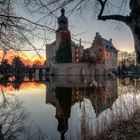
(64, 92)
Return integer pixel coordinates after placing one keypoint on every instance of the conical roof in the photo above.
(62, 21)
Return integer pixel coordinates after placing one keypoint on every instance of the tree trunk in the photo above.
(136, 36)
(135, 26)
(133, 21)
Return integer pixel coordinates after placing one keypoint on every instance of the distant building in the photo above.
(102, 52)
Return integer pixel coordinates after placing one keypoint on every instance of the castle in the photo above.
(65, 57)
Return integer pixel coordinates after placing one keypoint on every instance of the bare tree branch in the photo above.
(125, 19)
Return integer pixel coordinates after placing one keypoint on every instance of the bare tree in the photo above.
(18, 32)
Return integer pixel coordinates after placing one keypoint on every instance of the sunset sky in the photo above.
(26, 58)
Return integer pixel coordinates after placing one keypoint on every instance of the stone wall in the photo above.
(71, 81)
(80, 69)
(72, 69)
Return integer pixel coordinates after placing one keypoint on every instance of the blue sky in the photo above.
(119, 32)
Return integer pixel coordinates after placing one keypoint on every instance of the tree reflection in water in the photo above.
(15, 123)
(12, 117)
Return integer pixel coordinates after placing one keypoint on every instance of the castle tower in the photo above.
(63, 40)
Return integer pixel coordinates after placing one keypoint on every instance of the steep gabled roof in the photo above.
(107, 44)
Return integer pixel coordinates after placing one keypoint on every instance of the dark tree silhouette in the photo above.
(4, 66)
(19, 69)
(17, 63)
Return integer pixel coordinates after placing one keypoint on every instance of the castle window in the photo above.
(77, 60)
(77, 55)
(77, 50)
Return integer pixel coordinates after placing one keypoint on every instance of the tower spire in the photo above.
(62, 12)
(62, 21)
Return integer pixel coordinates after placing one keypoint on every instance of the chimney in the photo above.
(80, 42)
(111, 40)
(97, 33)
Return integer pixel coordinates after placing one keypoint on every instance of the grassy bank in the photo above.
(126, 130)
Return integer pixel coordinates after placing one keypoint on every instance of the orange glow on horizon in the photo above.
(23, 86)
(26, 59)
